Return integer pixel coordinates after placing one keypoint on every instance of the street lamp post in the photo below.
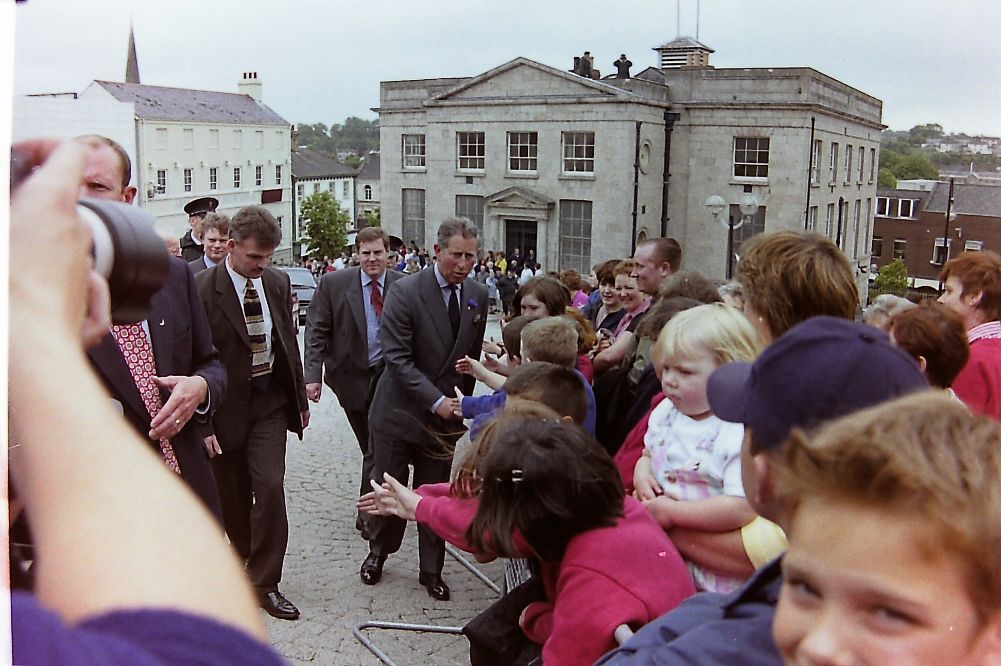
(748, 208)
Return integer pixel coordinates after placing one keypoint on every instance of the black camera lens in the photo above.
(128, 253)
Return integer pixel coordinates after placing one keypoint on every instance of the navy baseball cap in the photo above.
(820, 369)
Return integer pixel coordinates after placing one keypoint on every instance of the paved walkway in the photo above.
(325, 552)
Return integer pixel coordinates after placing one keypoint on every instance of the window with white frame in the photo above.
(238, 139)
(882, 206)
(367, 192)
(213, 178)
(258, 175)
(877, 246)
(859, 230)
(848, 162)
(161, 137)
(829, 223)
(188, 138)
(973, 246)
(750, 157)
(899, 248)
(470, 151)
(575, 235)
(161, 181)
(523, 152)
(868, 219)
(940, 253)
(833, 166)
(345, 186)
(413, 215)
(872, 164)
(259, 139)
(316, 188)
(300, 190)
(861, 163)
(278, 174)
(213, 138)
(187, 180)
(909, 208)
(471, 208)
(414, 151)
(236, 177)
(811, 218)
(578, 152)
(815, 162)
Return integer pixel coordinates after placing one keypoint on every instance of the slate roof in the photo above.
(982, 200)
(185, 105)
(684, 43)
(309, 164)
(370, 168)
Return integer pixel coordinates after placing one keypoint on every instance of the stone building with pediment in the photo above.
(581, 169)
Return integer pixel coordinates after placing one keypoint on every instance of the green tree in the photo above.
(374, 217)
(353, 161)
(886, 179)
(915, 165)
(326, 225)
(892, 278)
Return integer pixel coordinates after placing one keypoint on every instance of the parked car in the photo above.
(303, 284)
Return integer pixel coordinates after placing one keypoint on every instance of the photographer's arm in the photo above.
(113, 528)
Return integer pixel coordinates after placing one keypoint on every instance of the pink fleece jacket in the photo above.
(629, 573)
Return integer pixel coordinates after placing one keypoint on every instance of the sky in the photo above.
(929, 61)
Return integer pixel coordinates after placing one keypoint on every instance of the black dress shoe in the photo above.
(371, 569)
(278, 606)
(435, 586)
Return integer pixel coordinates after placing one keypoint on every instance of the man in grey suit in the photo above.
(215, 240)
(432, 319)
(342, 339)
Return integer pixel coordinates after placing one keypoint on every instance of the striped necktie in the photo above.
(253, 312)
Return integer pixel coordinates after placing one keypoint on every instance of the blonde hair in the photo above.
(924, 457)
(716, 328)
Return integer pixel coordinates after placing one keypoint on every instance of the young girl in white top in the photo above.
(689, 474)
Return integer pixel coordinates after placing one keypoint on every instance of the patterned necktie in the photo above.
(453, 310)
(138, 353)
(253, 312)
(376, 299)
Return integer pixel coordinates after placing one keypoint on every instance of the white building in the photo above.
(197, 143)
(582, 169)
(367, 189)
(314, 172)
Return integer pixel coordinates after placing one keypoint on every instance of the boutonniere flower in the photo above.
(471, 304)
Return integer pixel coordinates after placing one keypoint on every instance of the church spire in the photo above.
(132, 63)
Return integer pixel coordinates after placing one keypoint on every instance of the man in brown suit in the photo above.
(249, 307)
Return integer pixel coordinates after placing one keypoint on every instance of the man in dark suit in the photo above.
(431, 319)
(215, 240)
(168, 379)
(249, 308)
(192, 246)
(342, 339)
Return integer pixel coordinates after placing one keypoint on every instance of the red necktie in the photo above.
(138, 353)
(376, 299)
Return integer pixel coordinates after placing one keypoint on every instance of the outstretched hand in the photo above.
(392, 498)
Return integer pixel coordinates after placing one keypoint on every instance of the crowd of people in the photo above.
(674, 471)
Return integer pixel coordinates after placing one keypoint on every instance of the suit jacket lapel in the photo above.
(229, 304)
(161, 327)
(434, 304)
(355, 296)
(276, 301)
(110, 363)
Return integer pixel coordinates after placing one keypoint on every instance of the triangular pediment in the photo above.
(519, 197)
(523, 80)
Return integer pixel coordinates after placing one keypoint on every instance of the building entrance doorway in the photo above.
(523, 235)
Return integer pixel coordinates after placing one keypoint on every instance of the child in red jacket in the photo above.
(547, 489)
